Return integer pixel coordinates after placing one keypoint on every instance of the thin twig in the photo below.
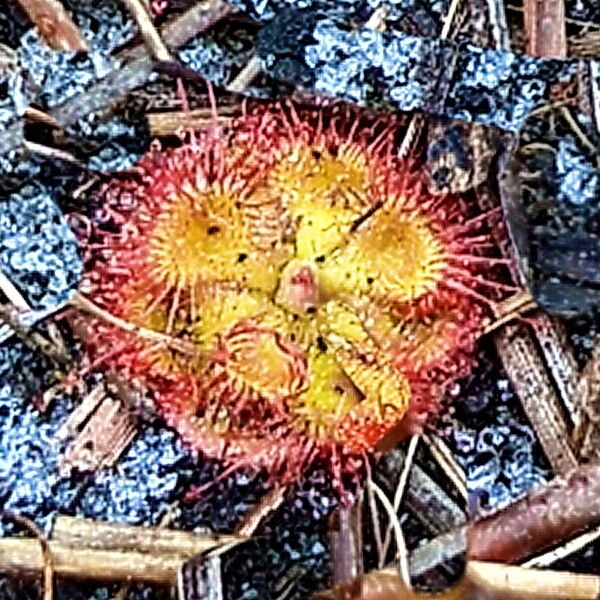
(399, 493)
(47, 570)
(14, 296)
(253, 67)
(449, 19)
(266, 506)
(82, 303)
(375, 522)
(25, 555)
(401, 550)
(33, 339)
(595, 91)
(106, 93)
(23, 321)
(156, 47)
(245, 77)
(431, 504)
(585, 140)
(512, 308)
(499, 25)
(346, 542)
(482, 581)
(572, 546)
(96, 535)
(165, 521)
(53, 153)
(445, 460)
(532, 584)
(435, 552)
(412, 131)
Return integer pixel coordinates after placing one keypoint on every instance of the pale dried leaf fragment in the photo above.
(87, 533)
(22, 555)
(530, 379)
(102, 440)
(587, 402)
(173, 122)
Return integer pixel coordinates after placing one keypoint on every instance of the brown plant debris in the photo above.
(531, 381)
(482, 581)
(586, 44)
(162, 124)
(587, 399)
(558, 359)
(268, 504)
(438, 550)
(23, 555)
(156, 47)
(554, 513)
(506, 581)
(86, 533)
(545, 28)
(346, 543)
(105, 94)
(87, 550)
(19, 323)
(104, 429)
(47, 569)
(55, 25)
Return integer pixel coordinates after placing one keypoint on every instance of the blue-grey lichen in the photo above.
(407, 73)
(578, 174)
(137, 490)
(51, 77)
(140, 486)
(426, 13)
(492, 441)
(38, 251)
(30, 483)
(220, 54)
(106, 24)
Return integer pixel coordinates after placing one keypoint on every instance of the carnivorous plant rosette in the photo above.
(291, 287)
